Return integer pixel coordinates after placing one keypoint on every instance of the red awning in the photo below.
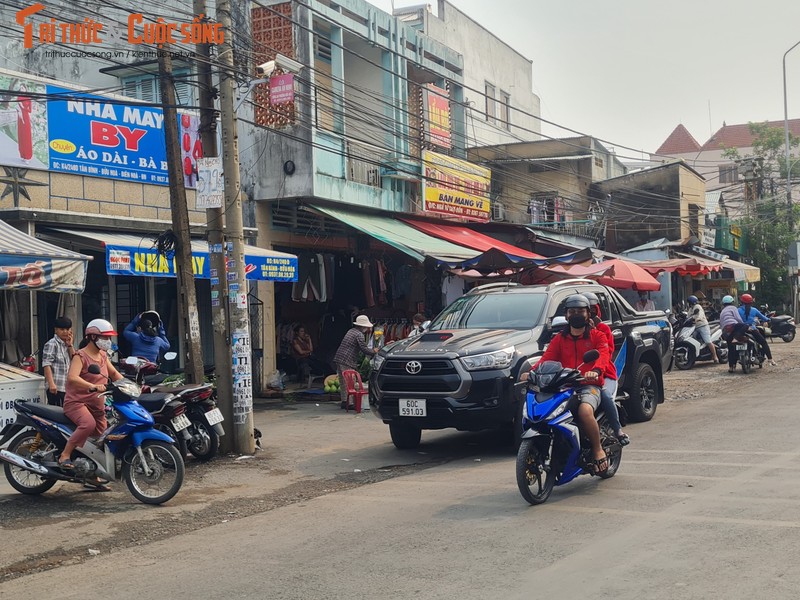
(616, 273)
(681, 266)
(468, 238)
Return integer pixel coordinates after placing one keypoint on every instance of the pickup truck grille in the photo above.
(435, 375)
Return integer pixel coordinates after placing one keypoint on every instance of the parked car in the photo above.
(463, 371)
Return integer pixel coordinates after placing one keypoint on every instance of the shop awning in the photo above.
(742, 271)
(128, 254)
(28, 263)
(464, 236)
(400, 235)
(682, 266)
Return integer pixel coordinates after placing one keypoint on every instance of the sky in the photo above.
(629, 71)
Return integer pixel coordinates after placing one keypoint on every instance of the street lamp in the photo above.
(786, 131)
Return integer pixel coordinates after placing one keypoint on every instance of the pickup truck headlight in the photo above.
(491, 360)
(377, 362)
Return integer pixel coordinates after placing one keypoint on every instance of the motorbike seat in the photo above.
(155, 379)
(180, 389)
(51, 413)
(155, 402)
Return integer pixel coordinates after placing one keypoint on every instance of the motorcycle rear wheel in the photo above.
(609, 440)
(534, 481)
(744, 358)
(788, 337)
(205, 441)
(165, 463)
(25, 482)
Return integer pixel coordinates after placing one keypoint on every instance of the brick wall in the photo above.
(273, 33)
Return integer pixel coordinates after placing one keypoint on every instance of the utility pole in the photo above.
(187, 299)
(243, 439)
(216, 241)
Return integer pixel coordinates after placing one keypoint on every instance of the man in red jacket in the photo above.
(568, 348)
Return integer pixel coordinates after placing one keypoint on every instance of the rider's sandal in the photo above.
(99, 485)
(623, 439)
(598, 463)
(67, 464)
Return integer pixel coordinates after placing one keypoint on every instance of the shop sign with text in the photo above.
(455, 187)
(437, 116)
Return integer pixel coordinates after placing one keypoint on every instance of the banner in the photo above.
(147, 262)
(210, 183)
(42, 274)
(437, 116)
(281, 89)
(455, 187)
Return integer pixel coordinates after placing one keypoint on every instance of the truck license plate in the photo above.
(413, 408)
(214, 416)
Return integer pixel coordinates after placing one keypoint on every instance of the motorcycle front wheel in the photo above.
(166, 472)
(205, 441)
(684, 358)
(22, 480)
(534, 479)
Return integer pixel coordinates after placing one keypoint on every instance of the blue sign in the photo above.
(99, 137)
(147, 262)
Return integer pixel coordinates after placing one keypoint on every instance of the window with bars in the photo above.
(147, 87)
(728, 173)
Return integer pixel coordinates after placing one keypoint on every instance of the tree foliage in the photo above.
(767, 225)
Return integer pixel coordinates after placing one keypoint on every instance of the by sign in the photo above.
(281, 89)
(455, 187)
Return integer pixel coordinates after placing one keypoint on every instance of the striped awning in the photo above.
(27, 263)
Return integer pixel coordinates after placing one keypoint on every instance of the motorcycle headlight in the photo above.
(129, 388)
(377, 362)
(491, 360)
(561, 408)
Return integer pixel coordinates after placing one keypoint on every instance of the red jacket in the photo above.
(611, 370)
(569, 351)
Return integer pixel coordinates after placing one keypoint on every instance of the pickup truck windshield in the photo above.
(492, 311)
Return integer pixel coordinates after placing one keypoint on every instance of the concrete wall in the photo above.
(487, 59)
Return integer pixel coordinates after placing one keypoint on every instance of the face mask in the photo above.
(103, 343)
(577, 321)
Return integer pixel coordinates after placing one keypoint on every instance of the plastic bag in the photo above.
(275, 380)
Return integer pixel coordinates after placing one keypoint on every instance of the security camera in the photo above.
(287, 64)
(266, 69)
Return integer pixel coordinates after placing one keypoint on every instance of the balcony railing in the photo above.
(588, 228)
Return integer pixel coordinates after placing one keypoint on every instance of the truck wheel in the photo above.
(405, 437)
(644, 394)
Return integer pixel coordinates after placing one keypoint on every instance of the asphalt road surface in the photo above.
(703, 506)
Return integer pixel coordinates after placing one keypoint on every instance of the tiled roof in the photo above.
(679, 141)
(739, 136)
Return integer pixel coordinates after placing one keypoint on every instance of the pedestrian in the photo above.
(644, 304)
(346, 356)
(303, 351)
(416, 325)
(83, 403)
(144, 339)
(56, 356)
(701, 323)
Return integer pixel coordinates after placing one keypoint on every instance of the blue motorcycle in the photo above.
(130, 449)
(552, 451)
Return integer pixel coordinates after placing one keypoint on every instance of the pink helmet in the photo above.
(99, 327)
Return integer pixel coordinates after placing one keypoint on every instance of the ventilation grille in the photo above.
(288, 217)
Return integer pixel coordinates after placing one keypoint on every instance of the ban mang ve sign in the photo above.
(455, 187)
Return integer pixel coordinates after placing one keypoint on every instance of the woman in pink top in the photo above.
(83, 404)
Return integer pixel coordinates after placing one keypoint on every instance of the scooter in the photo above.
(781, 326)
(553, 452)
(130, 449)
(749, 353)
(689, 346)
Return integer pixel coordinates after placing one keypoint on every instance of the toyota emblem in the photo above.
(413, 367)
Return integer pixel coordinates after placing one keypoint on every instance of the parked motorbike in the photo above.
(553, 452)
(689, 346)
(201, 436)
(130, 449)
(749, 353)
(782, 326)
(167, 407)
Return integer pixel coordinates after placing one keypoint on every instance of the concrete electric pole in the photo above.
(187, 299)
(243, 439)
(215, 219)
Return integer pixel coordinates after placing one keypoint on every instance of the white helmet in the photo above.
(99, 327)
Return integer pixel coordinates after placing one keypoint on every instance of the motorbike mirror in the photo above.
(94, 369)
(591, 356)
(170, 356)
(559, 321)
(132, 360)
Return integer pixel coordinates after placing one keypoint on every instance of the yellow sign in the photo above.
(455, 187)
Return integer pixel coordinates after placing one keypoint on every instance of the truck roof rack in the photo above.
(568, 282)
(494, 286)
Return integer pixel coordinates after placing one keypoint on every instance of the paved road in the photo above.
(704, 506)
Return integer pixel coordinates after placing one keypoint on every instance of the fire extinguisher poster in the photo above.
(23, 123)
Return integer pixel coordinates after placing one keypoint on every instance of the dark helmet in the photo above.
(692, 299)
(576, 301)
(592, 298)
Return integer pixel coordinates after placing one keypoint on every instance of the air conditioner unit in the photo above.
(498, 211)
